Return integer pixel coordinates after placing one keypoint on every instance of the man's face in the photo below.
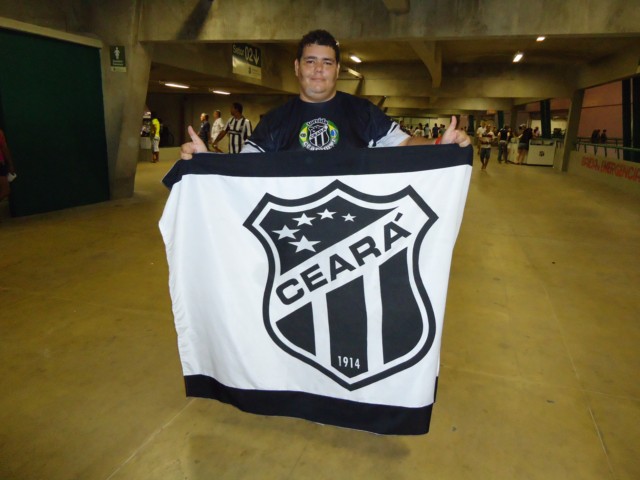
(317, 72)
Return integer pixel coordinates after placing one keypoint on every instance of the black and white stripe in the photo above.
(238, 130)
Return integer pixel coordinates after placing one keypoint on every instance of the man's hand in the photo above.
(451, 135)
(196, 145)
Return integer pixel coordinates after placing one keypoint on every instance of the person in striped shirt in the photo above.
(238, 128)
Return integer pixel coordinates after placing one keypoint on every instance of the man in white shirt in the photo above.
(216, 128)
(485, 140)
(479, 132)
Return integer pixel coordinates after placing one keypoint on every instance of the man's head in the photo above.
(236, 109)
(319, 37)
(204, 117)
(317, 66)
(217, 114)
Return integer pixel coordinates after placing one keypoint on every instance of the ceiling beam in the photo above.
(397, 6)
(494, 81)
(431, 55)
(624, 64)
(254, 20)
(453, 104)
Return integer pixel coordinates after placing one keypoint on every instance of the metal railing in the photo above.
(613, 146)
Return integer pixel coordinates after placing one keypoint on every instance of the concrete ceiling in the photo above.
(417, 75)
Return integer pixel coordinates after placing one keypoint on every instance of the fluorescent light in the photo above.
(176, 85)
(540, 39)
(355, 59)
(517, 57)
(220, 92)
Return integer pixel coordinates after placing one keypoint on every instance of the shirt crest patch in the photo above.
(319, 134)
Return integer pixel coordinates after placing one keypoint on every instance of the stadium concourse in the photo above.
(539, 363)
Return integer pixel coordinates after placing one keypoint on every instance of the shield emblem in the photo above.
(344, 292)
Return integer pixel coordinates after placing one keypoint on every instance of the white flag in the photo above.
(314, 285)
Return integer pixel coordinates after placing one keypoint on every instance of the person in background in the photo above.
(434, 130)
(216, 128)
(205, 129)
(485, 146)
(238, 128)
(479, 132)
(603, 136)
(155, 137)
(523, 143)
(7, 168)
(504, 135)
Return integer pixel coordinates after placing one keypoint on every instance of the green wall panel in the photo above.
(51, 109)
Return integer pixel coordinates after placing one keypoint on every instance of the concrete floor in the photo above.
(540, 358)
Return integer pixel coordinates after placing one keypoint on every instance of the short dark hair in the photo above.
(319, 37)
(237, 106)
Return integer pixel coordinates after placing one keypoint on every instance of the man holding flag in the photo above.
(322, 118)
(314, 285)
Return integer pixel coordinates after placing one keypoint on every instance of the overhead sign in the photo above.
(247, 60)
(117, 58)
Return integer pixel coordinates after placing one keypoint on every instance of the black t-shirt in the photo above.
(205, 131)
(343, 122)
(526, 135)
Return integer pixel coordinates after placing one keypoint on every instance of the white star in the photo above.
(285, 232)
(348, 217)
(326, 214)
(304, 220)
(304, 244)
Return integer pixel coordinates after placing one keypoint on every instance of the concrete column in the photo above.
(116, 23)
(571, 134)
(545, 118)
(123, 164)
(513, 121)
(627, 134)
(635, 112)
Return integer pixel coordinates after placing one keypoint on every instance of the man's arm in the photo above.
(219, 137)
(451, 135)
(412, 141)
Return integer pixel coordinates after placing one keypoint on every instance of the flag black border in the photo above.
(380, 419)
(363, 161)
